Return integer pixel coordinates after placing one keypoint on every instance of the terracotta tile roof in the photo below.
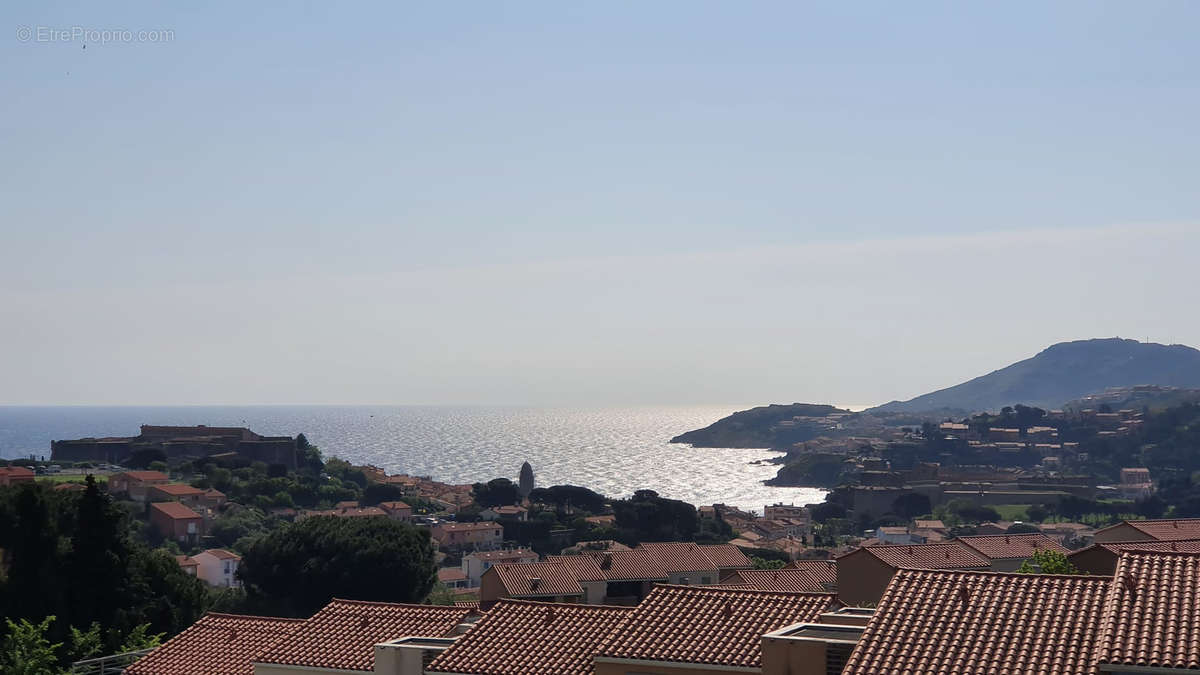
(950, 555)
(217, 644)
(1180, 545)
(534, 638)
(1000, 546)
(582, 567)
(713, 626)
(826, 571)
(178, 490)
(788, 581)
(726, 556)
(22, 471)
(1150, 616)
(344, 633)
(679, 556)
(540, 578)
(972, 623)
(631, 565)
(186, 561)
(222, 554)
(451, 574)
(144, 475)
(393, 506)
(1166, 530)
(174, 510)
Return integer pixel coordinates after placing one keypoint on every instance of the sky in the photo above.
(585, 203)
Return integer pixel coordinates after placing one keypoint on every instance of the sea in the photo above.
(613, 451)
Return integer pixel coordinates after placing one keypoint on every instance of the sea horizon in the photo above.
(613, 450)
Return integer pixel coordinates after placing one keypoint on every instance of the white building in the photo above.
(218, 567)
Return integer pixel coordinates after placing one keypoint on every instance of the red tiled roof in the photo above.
(1179, 545)
(144, 475)
(977, 623)
(216, 643)
(178, 489)
(186, 561)
(174, 510)
(392, 506)
(553, 579)
(451, 574)
(950, 555)
(679, 556)
(997, 546)
(726, 556)
(14, 471)
(534, 638)
(788, 581)
(824, 570)
(630, 565)
(222, 554)
(344, 633)
(713, 626)
(1166, 530)
(1150, 617)
(582, 567)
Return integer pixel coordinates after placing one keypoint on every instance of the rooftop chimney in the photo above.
(534, 582)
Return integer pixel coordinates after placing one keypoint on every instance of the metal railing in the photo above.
(113, 664)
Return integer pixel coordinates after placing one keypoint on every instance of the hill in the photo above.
(769, 426)
(1064, 372)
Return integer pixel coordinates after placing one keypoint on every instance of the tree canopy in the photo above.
(297, 569)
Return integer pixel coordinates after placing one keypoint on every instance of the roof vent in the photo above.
(366, 621)
(534, 582)
(606, 561)
(1175, 524)
(232, 634)
(1007, 540)
(727, 609)
(549, 615)
(947, 554)
(910, 550)
(964, 595)
(1174, 547)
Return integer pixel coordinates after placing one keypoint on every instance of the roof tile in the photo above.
(220, 644)
(344, 633)
(1150, 617)
(706, 625)
(1001, 546)
(535, 638)
(972, 623)
(539, 578)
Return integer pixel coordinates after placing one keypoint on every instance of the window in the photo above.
(191, 528)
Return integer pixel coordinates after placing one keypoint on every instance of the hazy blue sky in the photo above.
(597, 203)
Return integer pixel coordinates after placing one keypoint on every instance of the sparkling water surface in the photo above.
(611, 450)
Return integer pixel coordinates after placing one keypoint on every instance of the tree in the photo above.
(574, 496)
(911, 505)
(99, 557)
(297, 569)
(496, 492)
(764, 564)
(26, 651)
(648, 517)
(1047, 561)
